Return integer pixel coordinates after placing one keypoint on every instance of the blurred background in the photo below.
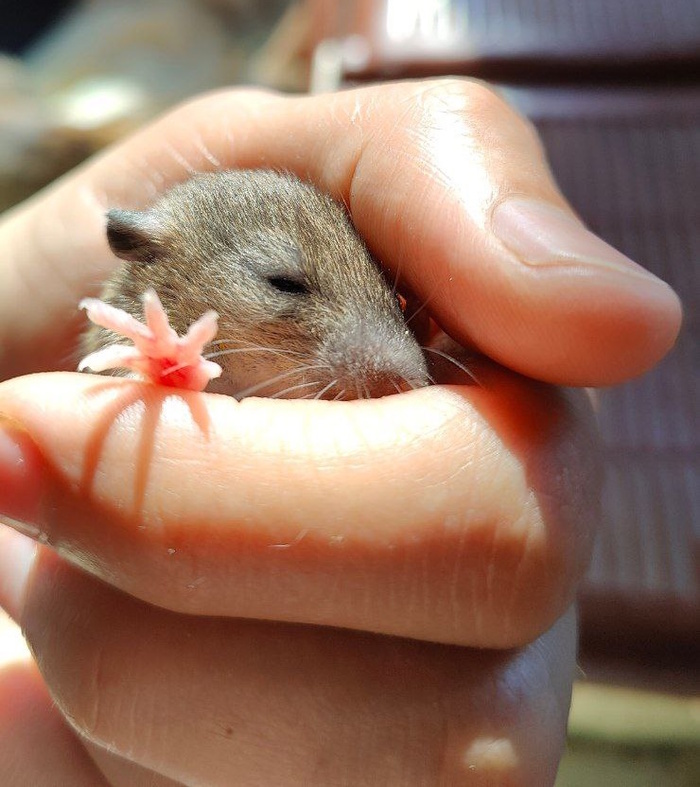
(614, 89)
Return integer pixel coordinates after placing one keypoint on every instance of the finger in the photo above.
(122, 772)
(447, 184)
(37, 747)
(221, 702)
(461, 514)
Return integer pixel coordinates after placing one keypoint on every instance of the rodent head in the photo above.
(303, 308)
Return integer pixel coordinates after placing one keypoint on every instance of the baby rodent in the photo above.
(304, 310)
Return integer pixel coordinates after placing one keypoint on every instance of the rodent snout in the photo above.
(369, 360)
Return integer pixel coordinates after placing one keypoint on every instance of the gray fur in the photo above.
(220, 241)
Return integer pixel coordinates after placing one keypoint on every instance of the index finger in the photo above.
(445, 182)
(460, 514)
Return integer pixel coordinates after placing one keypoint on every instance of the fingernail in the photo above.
(541, 234)
(17, 553)
(20, 478)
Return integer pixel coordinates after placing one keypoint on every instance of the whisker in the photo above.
(449, 358)
(259, 386)
(346, 204)
(229, 340)
(416, 312)
(327, 388)
(339, 396)
(235, 350)
(395, 285)
(415, 384)
(419, 383)
(280, 394)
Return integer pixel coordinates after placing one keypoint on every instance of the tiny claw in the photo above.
(157, 353)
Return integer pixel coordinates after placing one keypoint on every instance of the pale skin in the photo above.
(297, 535)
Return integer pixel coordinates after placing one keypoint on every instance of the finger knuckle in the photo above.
(461, 95)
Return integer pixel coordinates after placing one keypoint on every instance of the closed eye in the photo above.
(289, 285)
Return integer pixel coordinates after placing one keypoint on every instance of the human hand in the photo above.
(453, 517)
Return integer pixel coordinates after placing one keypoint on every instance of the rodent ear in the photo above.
(134, 235)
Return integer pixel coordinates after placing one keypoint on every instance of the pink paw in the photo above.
(157, 353)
